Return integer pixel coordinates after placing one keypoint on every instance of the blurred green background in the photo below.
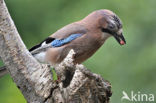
(129, 68)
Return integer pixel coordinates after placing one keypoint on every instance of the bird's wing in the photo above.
(61, 42)
(46, 41)
(53, 42)
(60, 37)
(73, 28)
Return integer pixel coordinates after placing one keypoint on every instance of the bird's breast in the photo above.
(85, 48)
(40, 57)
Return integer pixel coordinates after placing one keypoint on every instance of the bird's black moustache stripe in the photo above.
(107, 31)
(110, 32)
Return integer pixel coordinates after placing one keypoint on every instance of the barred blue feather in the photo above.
(60, 42)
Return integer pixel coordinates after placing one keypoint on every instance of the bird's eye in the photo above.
(111, 27)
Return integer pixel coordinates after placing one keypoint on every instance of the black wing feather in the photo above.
(47, 40)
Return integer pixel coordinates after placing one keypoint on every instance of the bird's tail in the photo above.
(42, 46)
(40, 49)
(3, 71)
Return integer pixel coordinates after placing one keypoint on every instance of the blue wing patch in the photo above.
(60, 42)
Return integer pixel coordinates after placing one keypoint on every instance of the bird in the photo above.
(85, 37)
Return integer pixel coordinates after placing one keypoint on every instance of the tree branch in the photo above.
(3, 71)
(35, 81)
(84, 87)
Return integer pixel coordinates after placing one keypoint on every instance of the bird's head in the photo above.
(108, 23)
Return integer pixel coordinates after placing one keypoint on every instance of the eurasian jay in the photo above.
(85, 37)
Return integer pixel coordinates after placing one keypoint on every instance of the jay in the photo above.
(85, 37)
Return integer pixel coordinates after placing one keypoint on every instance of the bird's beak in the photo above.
(120, 38)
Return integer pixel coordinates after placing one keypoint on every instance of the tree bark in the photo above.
(3, 71)
(35, 81)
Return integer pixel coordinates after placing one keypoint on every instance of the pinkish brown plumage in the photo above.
(95, 29)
